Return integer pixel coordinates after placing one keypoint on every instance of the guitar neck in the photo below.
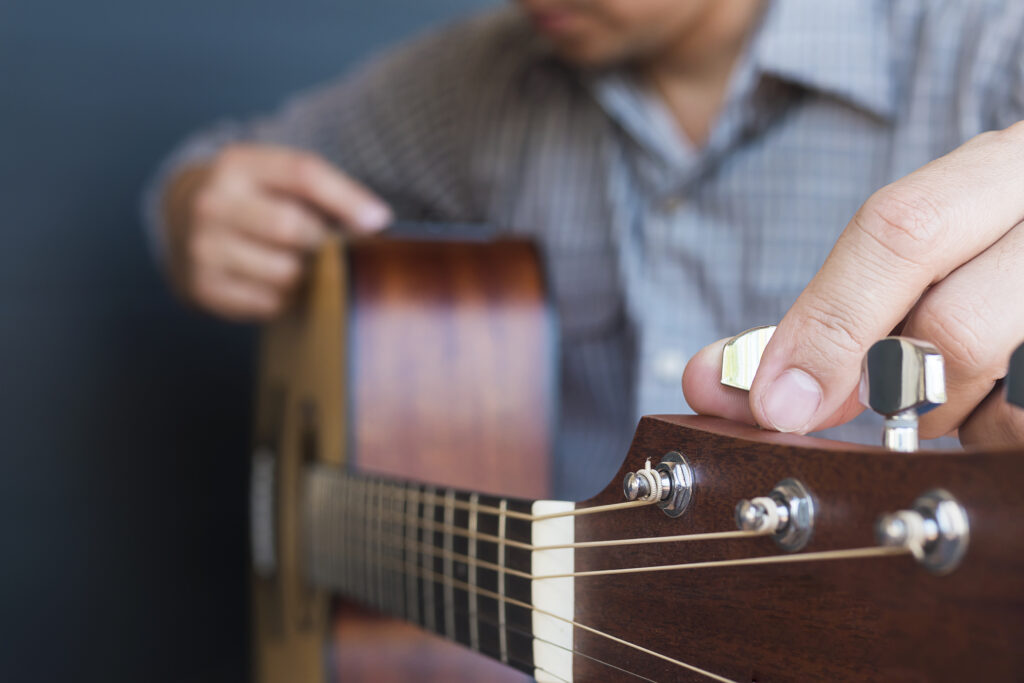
(458, 564)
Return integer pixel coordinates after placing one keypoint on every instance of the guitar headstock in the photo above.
(798, 558)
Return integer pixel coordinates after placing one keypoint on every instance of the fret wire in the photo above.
(429, 612)
(502, 633)
(364, 571)
(449, 592)
(346, 538)
(384, 524)
(397, 579)
(474, 621)
(378, 541)
(412, 581)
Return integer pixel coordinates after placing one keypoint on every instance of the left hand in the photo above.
(940, 251)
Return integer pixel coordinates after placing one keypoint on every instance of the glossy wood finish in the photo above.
(852, 620)
(453, 364)
(428, 360)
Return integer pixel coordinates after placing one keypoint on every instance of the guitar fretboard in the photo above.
(458, 564)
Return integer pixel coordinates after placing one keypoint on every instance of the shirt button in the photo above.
(667, 365)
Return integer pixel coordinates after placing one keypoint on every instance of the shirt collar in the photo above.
(837, 47)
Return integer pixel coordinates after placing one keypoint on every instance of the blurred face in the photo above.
(605, 32)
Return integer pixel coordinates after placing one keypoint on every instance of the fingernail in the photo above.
(790, 402)
(374, 217)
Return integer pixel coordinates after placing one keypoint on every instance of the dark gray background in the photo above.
(124, 418)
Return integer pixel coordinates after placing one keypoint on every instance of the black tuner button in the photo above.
(1015, 378)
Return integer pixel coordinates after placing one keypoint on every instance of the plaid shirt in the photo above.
(657, 247)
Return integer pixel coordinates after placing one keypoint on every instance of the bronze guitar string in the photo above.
(450, 582)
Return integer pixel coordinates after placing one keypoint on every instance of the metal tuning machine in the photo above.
(902, 378)
(742, 355)
(935, 530)
(787, 513)
(669, 484)
(1015, 378)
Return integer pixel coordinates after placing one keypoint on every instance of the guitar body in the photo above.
(455, 343)
(414, 386)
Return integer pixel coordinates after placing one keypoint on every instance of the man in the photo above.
(688, 167)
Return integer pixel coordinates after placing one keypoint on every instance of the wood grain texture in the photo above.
(453, 364)
(865, 619)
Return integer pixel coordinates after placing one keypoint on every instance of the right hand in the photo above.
(240, 226)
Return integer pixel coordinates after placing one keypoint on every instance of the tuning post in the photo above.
(787, 514)
(902, 379)
(669, 484)
(935, 530)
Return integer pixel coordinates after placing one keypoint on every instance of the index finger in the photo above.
(314, 180)
(907, 236)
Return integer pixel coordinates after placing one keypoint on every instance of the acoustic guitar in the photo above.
(403, 442)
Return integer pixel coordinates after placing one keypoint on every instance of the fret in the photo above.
(396, 587)
(412, 611)
(429, 613)
(383, 542)
(474, 614)
(388, 554)
(348, 552)
(366, 568)
(379, 522)
(502, 631)
(449, 591)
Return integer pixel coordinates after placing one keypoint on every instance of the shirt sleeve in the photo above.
(400, 123)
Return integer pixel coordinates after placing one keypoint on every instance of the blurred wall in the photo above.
(124, 418)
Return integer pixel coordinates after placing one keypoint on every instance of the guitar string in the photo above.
(503, 600)
(853, 553)
(820, 556)
(515, 514)
(532, 636)
(519, 603)
(707, 536)
(843, 554)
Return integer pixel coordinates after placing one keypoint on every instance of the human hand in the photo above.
(239, 227)
(937, 255)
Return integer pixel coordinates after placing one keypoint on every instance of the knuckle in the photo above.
(833, 332)
(907, 224)
(307, 169)
(1012, 133)
(285, 225)
(955, 330)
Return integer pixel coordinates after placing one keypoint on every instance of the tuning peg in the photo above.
(1015, 378)
(742, 355)
(902, 379)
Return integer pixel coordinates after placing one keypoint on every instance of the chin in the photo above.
(588, 54)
